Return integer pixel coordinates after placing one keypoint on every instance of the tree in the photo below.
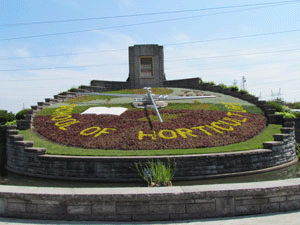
(6, 117)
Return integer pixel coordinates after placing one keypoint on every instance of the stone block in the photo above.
(156, 217)
(50, 209)
(79, 209)
(255, 201)
(31, 208)
(206, 200)
(133, 208)
(289, 205)
(277, 199)
(16, 207)
(200, 208)
(104, 208)
(247, 209)
(15, 200)
(269, 207)
(167, 209)
(225, 206)
(293, 197)
(3, 205)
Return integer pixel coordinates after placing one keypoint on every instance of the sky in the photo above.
(50, 46)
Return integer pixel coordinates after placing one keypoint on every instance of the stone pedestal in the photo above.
(146, 66)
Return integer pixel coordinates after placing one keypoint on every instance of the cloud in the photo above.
(22, 52)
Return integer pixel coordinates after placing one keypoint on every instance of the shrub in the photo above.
(6, 117)
(223, 86)
(73, 89)
(276, 106)
(297, 114)
(21, 114)
(234, 88)
(286, 114)
(14, 122)
(157, 173)
(286, 109)
(295, 105)
(244, 92)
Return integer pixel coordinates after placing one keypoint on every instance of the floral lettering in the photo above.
(142, 135)
(95, 130)
(172, 132)
(64, 117)
(183, 132)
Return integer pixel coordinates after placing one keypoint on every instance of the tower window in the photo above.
(146, 67)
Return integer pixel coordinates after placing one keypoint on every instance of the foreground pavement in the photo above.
(290, 218)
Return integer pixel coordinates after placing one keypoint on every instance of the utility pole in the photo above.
(234, 83)
(243, 82)
(276, 96)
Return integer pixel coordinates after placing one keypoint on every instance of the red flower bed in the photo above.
(132, 130)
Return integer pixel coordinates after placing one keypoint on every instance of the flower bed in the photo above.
(139, 129)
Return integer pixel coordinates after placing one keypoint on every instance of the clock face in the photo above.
(102, 123)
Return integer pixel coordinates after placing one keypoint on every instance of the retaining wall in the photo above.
(150, 204)
(23, 158)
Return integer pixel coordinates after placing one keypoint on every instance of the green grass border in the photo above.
(57, 149)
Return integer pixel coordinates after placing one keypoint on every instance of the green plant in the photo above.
(21, 114)
(244, 92)
(14, 122)
(297, 114)
(286, 114)
(6, 117)
(73, 89)
(298, 149)
(234, 88)
(157, 173)
(295, 105)
(276, 106)
(223, 86)
(62, 93)
(212, 83)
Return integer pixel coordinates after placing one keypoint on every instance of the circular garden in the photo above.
(187, 124)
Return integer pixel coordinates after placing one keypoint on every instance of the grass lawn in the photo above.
(57, 149)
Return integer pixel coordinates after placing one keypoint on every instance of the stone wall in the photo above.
(2, 151)
(278, 119)
(150, 204)
(297, 127)
(109, 85)
(23, 158)
(193, 83)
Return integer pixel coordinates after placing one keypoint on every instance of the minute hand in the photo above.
(155, 107)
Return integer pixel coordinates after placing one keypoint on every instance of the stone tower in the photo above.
(146, 66)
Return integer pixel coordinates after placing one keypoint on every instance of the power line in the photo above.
(167, 60)
(62, 67)
(63, 54)
(147, 14)
(235, 55)
(236, 37)
(182, 43)
(130, 25)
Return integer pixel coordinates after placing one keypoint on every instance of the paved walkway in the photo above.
(291, 218)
